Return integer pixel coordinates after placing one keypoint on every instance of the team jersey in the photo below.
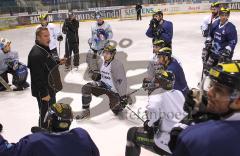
(98, 42)
(223, 36)
(165, 107)
(6, 58)
(69, 143)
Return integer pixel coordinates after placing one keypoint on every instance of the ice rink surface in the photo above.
(19, 110)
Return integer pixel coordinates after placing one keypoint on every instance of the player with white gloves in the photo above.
(9, 63)
(164, 110)
(55, 34)
(209, 20)
(110, 79)
(222, 40)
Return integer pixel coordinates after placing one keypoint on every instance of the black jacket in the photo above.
(70, 28)
(138, 8)
(45, 76)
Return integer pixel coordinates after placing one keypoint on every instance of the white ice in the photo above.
(19, 110)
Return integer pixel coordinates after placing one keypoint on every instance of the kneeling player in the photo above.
(165, 109)
(110, 79)
(9, 63)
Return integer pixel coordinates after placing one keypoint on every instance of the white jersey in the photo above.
(97, 42)
(206, 21)
(54, 33)
(167, 107)
(106, 77)
(6, 58)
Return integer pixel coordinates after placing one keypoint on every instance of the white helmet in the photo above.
(4, 42)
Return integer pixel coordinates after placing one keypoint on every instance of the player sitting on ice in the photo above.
(101, 34)
(164, 60)
(110, 79)
(56, 140)
(164, 110)
(9, 63)
(221, 43)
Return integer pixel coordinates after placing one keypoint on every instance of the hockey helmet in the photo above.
(111, 49)
(59, 117)
(165, 51)
(215, 5)
(166, 79)
(98, 15)
(4, 42)
(158, 12)
(224, 11)
(159, 43)
(227, 74)
(43, 16)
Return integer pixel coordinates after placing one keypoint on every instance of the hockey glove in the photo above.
(205, 55)
(154, 23)
(1, 127)
(60, 38)
(208, 44)
(175, 132)
(225, 55)
(212, 61)
(148, 129)
(21, 72)
(146, 83)
(123, 101)
(96, 75)
(189, 103)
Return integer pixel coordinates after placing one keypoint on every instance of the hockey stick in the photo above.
(5, 84)
(135, 114)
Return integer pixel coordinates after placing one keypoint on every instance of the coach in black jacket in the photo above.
(45, 76)
(70, 28)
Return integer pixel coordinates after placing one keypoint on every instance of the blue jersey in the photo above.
(210, 138)
(174, 66)
(76, 142)
(180, 80)
(166, 32)
(224, 36)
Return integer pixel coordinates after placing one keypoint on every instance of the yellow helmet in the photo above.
(227, 73)
(43, 16)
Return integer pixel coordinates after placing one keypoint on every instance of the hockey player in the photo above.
(70, 28)
(167, 62)
(222, 40)
(219, 137)
(209, 20)
(9, 63)
(57, 140)
(55, 34)
(101, 34)
(165, 109)
(160, 29)
(110, 79)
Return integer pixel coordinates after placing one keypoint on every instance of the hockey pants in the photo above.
(137, 138)
(69, 48)
(97, 90)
